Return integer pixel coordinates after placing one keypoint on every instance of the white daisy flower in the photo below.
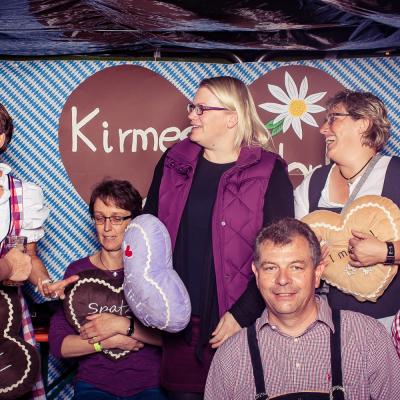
(296, 108)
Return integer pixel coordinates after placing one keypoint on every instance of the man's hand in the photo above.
(102, 326)
(121, 342)
(366, 249)
(56, 289)
(227, 326)
(19, 264)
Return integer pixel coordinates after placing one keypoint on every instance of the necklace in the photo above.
(114, 273)
(352, 177)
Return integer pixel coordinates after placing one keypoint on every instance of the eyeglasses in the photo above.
(330, 118)
(199, 108)
(114, 219)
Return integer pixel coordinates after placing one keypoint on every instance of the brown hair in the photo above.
(121, 193)
(282, 233)
(6, 127)
(365, 105)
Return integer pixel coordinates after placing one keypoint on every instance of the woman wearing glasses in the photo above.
(113, 204)
(356, 130)
(214, 191)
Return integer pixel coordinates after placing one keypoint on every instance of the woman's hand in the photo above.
(102, 326)
(55, 289)
(366, 250)
(227, 326)
(122, 342)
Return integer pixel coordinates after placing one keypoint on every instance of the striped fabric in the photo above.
(15, 187)
(16, 205)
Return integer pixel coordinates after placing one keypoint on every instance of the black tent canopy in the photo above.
(245, 29)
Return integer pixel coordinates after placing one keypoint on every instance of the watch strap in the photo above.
(97, 347)
(131, 328)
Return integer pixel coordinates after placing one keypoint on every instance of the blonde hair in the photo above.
(234, 95)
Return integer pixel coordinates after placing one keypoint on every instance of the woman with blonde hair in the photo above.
(214, 191)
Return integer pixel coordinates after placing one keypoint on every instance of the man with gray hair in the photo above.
(300, 347)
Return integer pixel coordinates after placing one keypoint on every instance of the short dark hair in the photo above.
(365, 105)
(6, 127)
(283, 232)
(121, 193)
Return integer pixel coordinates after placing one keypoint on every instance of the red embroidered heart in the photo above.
(128, 251)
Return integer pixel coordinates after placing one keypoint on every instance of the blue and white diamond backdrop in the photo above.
(35, 92)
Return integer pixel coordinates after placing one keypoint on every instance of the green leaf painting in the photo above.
(274, 128)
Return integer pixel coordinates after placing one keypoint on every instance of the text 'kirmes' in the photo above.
(122, 137)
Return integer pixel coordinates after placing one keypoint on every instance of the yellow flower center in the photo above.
(297, 107)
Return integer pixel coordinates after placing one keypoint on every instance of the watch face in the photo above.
(390, 247)
(390, 259)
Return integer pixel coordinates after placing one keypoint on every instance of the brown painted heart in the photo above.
(120, 120)
(110, 121)
(19, 361)
(374, 215)
(96, 293)
(316, 87)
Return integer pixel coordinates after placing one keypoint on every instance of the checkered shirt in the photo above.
(15, 185)
(370, 365)
(16, 195)
(396, 332)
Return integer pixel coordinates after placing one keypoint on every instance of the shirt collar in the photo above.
(324, 315)
(4, 171)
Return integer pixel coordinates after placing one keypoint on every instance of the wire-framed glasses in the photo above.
(330, 118)
(199, 108)
(114, 219)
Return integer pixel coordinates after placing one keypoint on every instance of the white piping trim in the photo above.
(21, 345)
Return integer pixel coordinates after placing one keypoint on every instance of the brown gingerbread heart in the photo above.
(374, 215)
(95, 293)
(19, 361)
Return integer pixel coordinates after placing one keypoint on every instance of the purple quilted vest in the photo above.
(237, 214)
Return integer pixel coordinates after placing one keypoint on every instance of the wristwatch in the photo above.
(390, 257)
(131, 328)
